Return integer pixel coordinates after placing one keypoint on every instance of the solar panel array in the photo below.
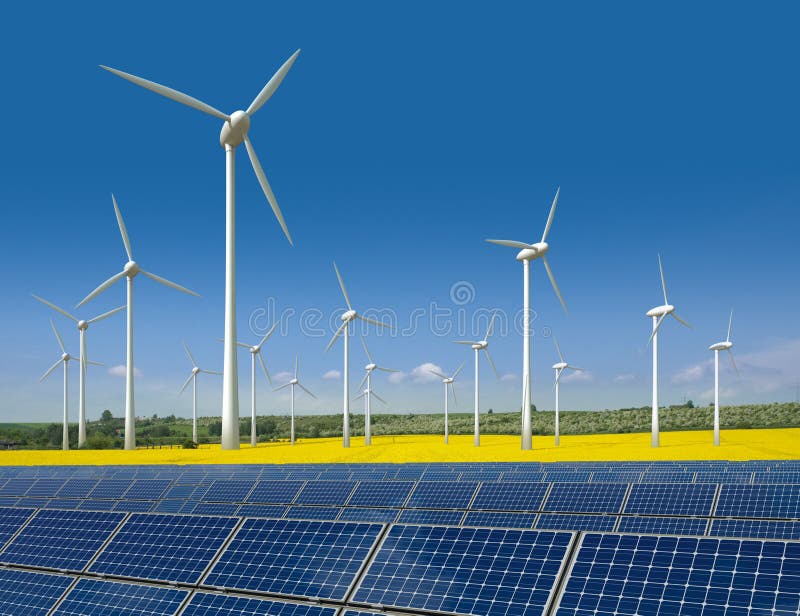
(337, 540)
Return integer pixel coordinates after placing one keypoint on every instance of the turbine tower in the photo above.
(657, 314)
(130, 271)
(193, 378)
(64, 359)
(348, 316)
(367, 394)
(370, 367)
(447, 380)
(721, 346)
(255, 351)
(82, 327)
(478, 346)
(234, 132)
(528, 253)
(559, 368)
(295, 382)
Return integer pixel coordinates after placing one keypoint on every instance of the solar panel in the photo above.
(381, 494)
(77, 488)
(133, 505)
(510, 496)
(64, 540)
(776, 477)
(110, 488)
(568, 476)
(656, 525)
(28, 593)
(63, 503)
(227, 509)
(431, 516)
(45, 487)
(312, 513)
(261, 511)
(183, 491)
(616, 476)
(499, 519)
(147, 489)
(630, 574)
(561, 521)
(214, 604)
(524, 475)
(171, 548)
(464, 570)
(586, 497)
(228, 491)
(89, 504)
(325, 493)
(168, 506)
(98, 597)
(295, 557)
(762, 529)
(442, 495)
(761, 501)
(16, 487)
(671, 499)
(275, 492)
(366, 514)
(32, 503)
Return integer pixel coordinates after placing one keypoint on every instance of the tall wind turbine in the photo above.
(560, 367)
(295, 382)
(657, 314)
(478, 346)
(130, 271)
(447, 380)
(721, 346)
(64, 359)
(193, 378)
(234, 132)
(367, 393)
(82, 327)
(255, 351)
(528, 253)
(348, 316)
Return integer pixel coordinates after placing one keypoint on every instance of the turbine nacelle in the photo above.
(294, 382)
(83, 325)
(65, 357)
(131, 269)
(195, 370)
(448, 380)
(660, 311)
(235, 129)
(560, 365)
(370, 367)
(349, 315)
(480, 345)
(535, 251)
(721, 346)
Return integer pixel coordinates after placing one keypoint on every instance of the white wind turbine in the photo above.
(658, 314)
(478, 346)
(291, 384)
(448, 380)
(130, 271)
(721, 346)
(528, 253)
(348, 316)
(255, 351)
(82, 327)
(367, 393)
(234, 132)
(193, 378)
(560, 367)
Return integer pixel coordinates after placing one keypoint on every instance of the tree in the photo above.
(490, 411)
(689, 404)
(533, 408)
(215, 428)
(106, 416)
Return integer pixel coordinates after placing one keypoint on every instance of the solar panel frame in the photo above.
(442, 495)
(332, 493)
(695, 499)
(777, 501)
(585, 497)
(93, 596)
(510, 496)
(31, 593)
(216, 604)
(380, 494)
(662, 525)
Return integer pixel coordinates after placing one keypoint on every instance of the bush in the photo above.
(99, 441)
(190, 444)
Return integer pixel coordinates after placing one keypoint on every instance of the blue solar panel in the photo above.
(630, 574)
(275, 492)
(366, 514)
(45, 487)
(671, 499)
(147, 489)
(762, 529)
(442, 495)
(184, 492)
(32, 503)
(776, 477)
(110, 488)
(510, 496)
(89, 504)
(499, 519)
(655, 525)
(325, 493)
(213, 604)
(77, 488)
(16, 487)
(761, 501)
(30, 594)
(616, 476)
(63, 503)
(381, 494)
(295, 557)
(568, 476)
(586, 497)
(312, 513)
(133, 505)
(172, 548)
(667, 477)
(99, 597)
(431, 516)
(168, 506)
(58, 539)
(228, 491)
(227, 509)
(261, 511)
(561, 521)
(464, 570)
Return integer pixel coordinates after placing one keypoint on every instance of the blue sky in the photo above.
(405, 135)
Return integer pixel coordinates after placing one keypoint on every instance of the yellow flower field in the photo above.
(736, 445)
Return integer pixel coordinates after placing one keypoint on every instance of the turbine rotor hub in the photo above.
(195, 370)
(131, 269)
(234, 130)
(65, 357)
(560, 365)
(539, 249)
(370, 367)
(349, 315)
(659, 311)
(293, 382)
(83, 325)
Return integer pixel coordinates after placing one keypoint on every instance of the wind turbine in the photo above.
(657, 314)
(348, 316)
(478, 346)
(82, 327)
(528, 253)
(291, 384)
(130, 272)
(721, 346)
(447, 380)
(560, 367)
(193, 378)
(64, 359)
(370, 367)
(255, 351)
(234, 132)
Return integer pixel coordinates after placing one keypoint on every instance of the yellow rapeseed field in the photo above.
(736, 445)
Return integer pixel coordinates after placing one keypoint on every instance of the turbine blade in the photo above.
(551, 215)
(53, 367)
(364, 380)
(730, 322)
(189, 353)
(54, 307)
(512, 244)
(491, 363)
(386, 369)
(296, 364)
(439, 374)
(655, 330)
(94, 363)
(262, 179)
(241, 344)
(341, 284)
(307, 391)
(186, 383)
(359, 396)
(58, 336)
(211, 372)
(455, 374)
(272, 85)
(267, 335)
(264, 368)
(281, 387)
(663, 281)
(733, 363)
(575, 368)
(558, 348)
(168, 283)
(553, 282)
(379, 398)
(366, 350)
(105, 315)
(178, 97)
(453, 392)
(335, 336)
(101, 288)
(374, 322)
(680, 320)
(464, 342)
(122, 229)
(491, 325)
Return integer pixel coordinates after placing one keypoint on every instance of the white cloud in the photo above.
(509, 376)
(423, 374)
(397, 377)
(691, 374)
(332, 375)
(577, 377)
(281, 377)
(624, 378)
(120, 371)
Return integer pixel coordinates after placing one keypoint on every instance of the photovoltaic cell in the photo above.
(671, 499)
(227, 509)
(325, 493)
(312, 513)
(100, 597)
(431, 516)
(499, 519)
(366, 514)
(90, 504)
(171, 548)
(630, 574)
(147, 489)
(275, 492)
(510, 496)
(295, 557)
(133, 505)
(759, 501)
(762, 529)
(110, 488)
(11, 519)
(261, 511)
(168, 506)
(655, 525)
(381, 494)
(442, 495)
(30, 594)
(228, 491)
(464, 570)
(63, 503)
(45, 487)
(61, 539)
(211, 604)
(562, 521)
(586, 497)
(16, 487)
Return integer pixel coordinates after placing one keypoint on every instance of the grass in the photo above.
(753, 444)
